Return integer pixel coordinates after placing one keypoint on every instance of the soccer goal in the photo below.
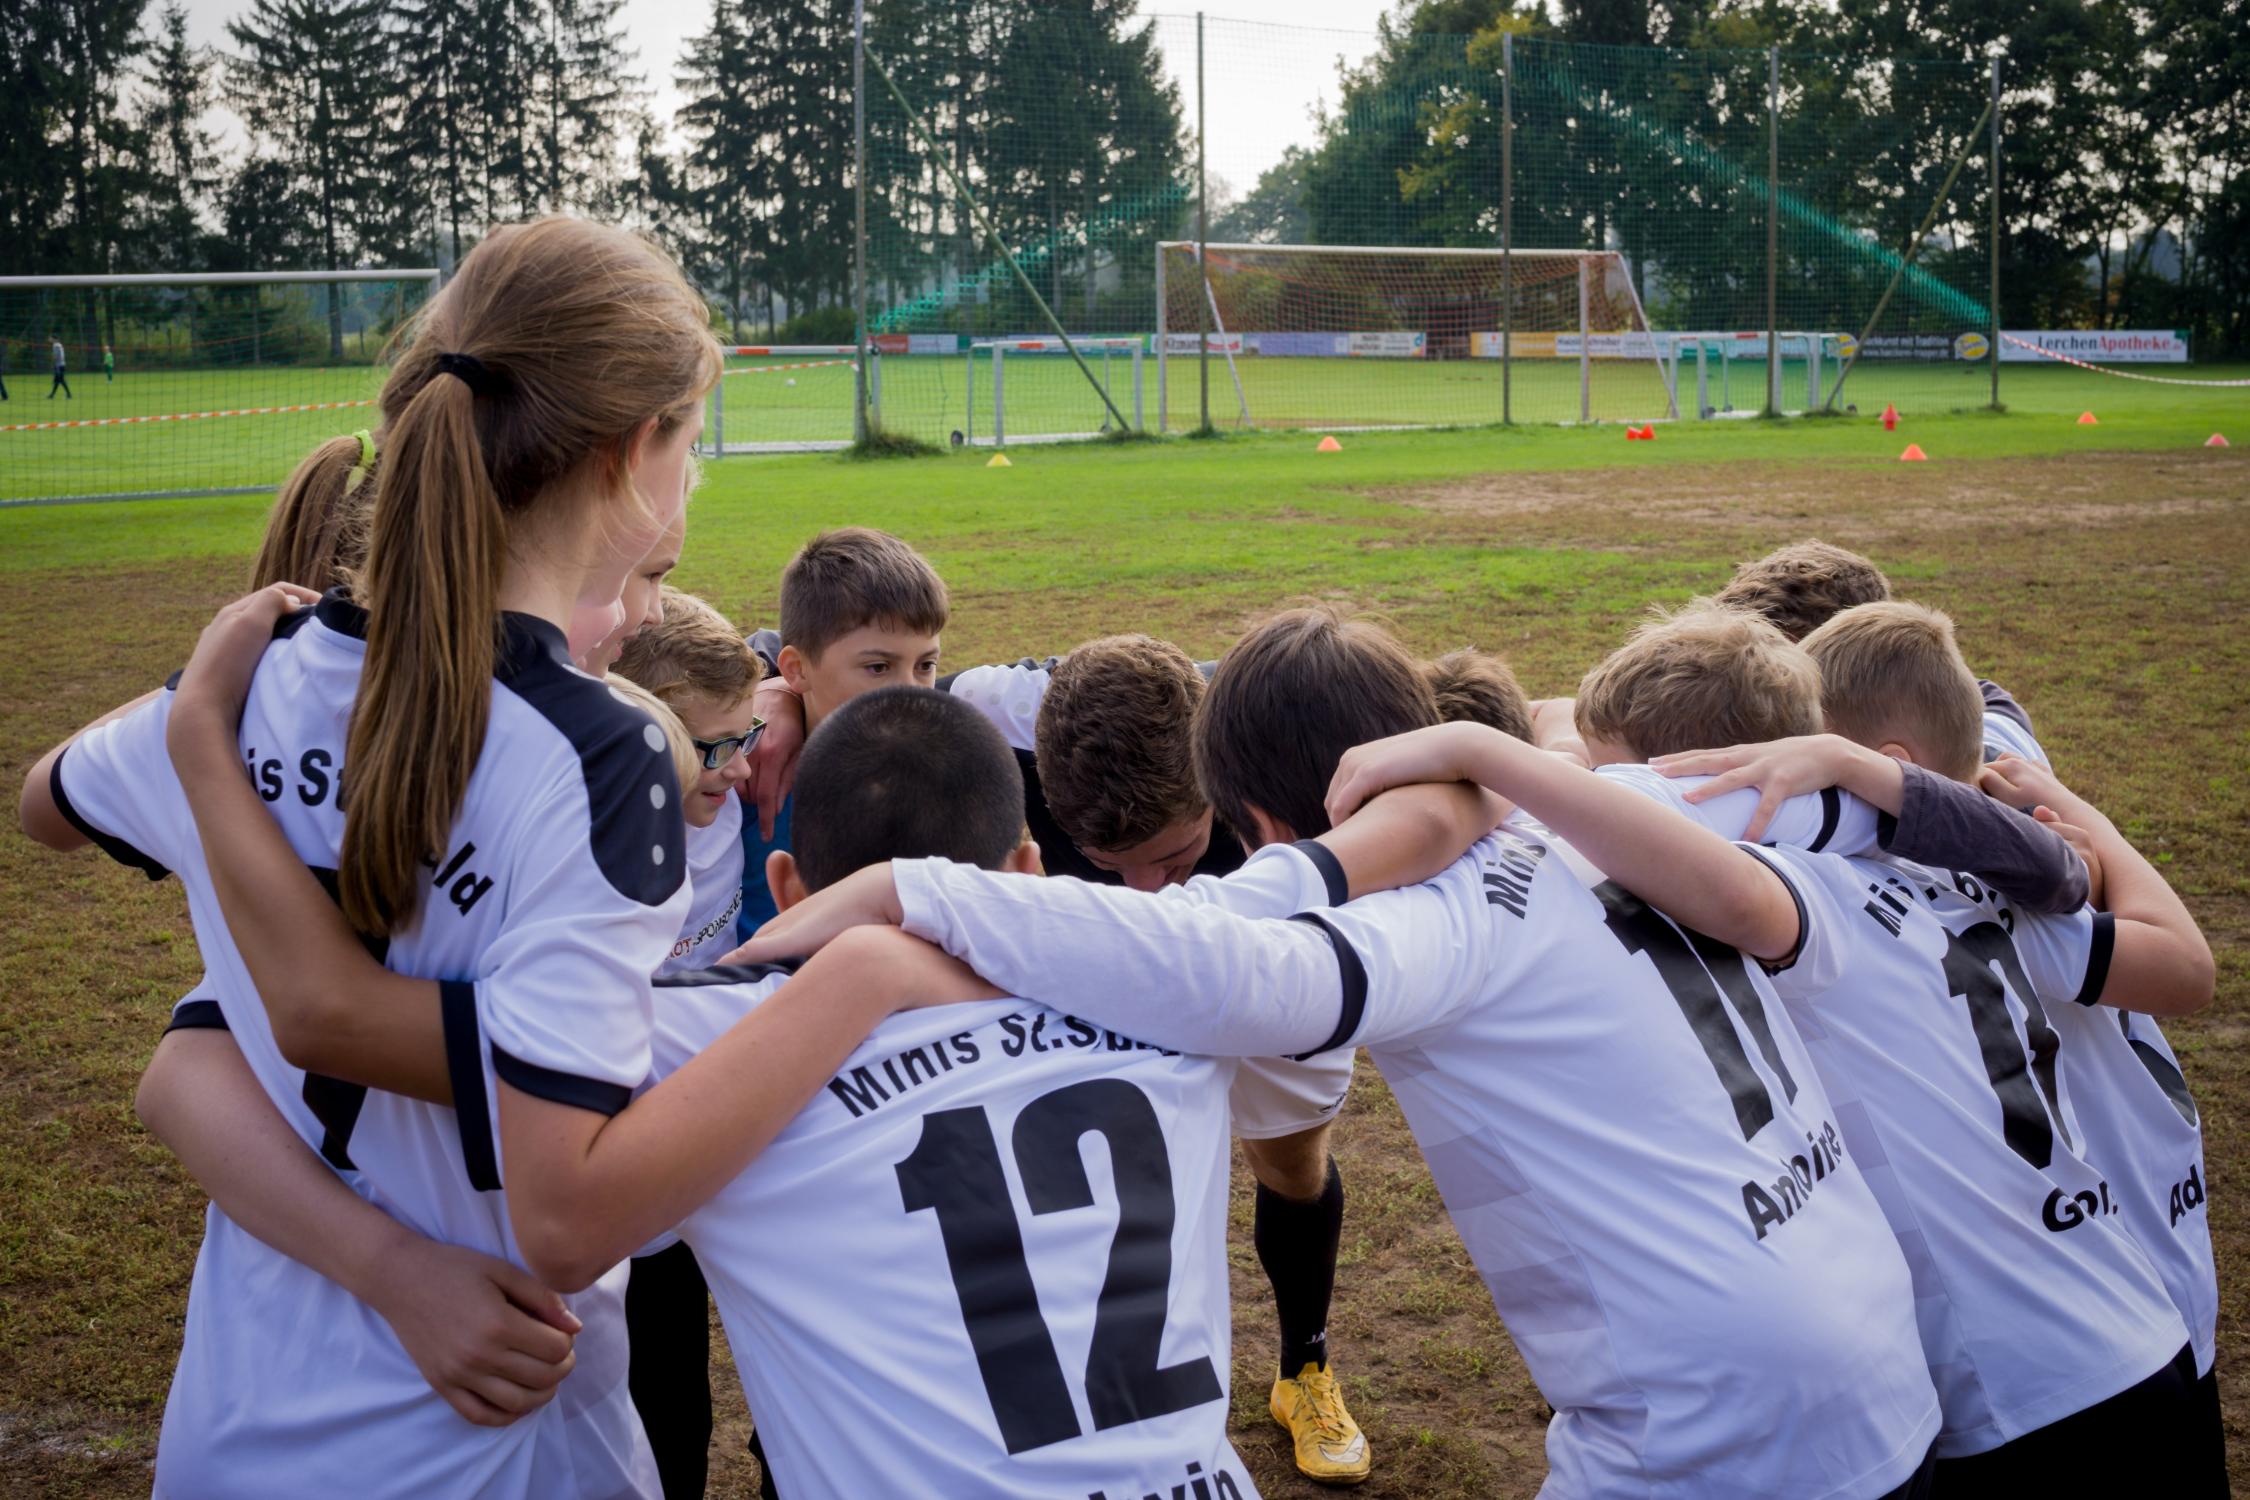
(141, 387)
(1342, 336)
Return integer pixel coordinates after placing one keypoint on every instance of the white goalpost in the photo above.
(1298, 326)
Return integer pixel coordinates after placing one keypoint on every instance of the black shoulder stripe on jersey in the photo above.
(116, 848)
(1804, 919)
(1831, 812)
(2097, 959)
(283, 628)
(1331, 870)
(337, 611)
(197, 1015)
(557, 1087)
(1355, 985)
(726, 974)
(638, 840)
(1045, 664)
(292, 622)
(464, 1069)
(336, 1104)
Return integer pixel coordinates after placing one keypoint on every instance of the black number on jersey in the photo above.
(2029, 1110)
(2163, 1070)
(955, 1170)
(1704, 975)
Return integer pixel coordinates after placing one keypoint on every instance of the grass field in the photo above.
(782, 401)
(2102, 573)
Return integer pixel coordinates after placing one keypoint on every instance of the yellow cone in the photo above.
(998, 461)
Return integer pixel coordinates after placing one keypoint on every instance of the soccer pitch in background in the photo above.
(237, 429)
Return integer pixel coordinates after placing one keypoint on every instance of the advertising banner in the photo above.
(1386, 345)
(1221, 343)
(1314, 345)
(2119, 346)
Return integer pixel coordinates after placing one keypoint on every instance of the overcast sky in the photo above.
(1261, 81)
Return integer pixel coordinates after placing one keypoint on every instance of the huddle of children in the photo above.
(1791, 1081)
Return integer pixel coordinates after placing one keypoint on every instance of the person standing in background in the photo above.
(62, 378)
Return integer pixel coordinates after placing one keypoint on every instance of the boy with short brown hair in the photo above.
(1477, 687)
(860, 610)
(1799, 586)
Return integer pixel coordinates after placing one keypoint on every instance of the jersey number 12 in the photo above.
(955, 1170)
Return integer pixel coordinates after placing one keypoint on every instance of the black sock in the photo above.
(1297, 1245)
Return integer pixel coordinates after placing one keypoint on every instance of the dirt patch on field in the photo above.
(2088, 489)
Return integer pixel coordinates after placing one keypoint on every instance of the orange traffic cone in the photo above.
(1890, 418)
(1648, 433)
(1632, 433)
(2088, 419)
(1914, 455)
(1329, 445)
(2216, 440)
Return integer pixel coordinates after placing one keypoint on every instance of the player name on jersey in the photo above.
(865, 1088)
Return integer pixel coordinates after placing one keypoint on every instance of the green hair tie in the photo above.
(360, 470)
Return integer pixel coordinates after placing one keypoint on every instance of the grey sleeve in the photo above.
(767, 645)
(1954, 826)
(1998, 700)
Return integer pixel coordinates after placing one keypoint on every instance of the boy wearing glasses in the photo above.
(699, 666)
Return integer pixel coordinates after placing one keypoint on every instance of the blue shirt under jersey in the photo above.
(757, 900)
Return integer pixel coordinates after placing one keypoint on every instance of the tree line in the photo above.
(393, 132)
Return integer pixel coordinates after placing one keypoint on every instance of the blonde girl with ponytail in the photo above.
(490, 817)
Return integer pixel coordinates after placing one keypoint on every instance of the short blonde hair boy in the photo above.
(1892, 673)
(693, 650)
(1698, 677)
(1477, 687)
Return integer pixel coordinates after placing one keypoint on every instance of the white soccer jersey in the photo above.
(2004, 736)
(1827, 821)
(1939, 1049)
(714, 863)
(988, 1259)
(2143, 1130)
(1625, 1127)
(1007, 695)
(1273, 1096)
(559, 893)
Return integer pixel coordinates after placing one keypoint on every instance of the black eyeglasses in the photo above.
(717, 753)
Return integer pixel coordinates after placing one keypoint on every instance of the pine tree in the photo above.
(586, 93)
(182, 168)
(308, 84)
(727, 167)
(431, 163)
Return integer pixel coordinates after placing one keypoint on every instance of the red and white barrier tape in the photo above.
(2120, 374)
(186, 416)
(817, 364)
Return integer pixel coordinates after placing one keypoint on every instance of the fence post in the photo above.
(1138, 424)
(1702, 381)
(874, 387)
(1773, 230)
(969, 398)
(1507, 225)
(859, 220)
(999, 397)
(719, 419)
(1585, 344)
(1994, 194)
(1163, 410)
(1202, 244)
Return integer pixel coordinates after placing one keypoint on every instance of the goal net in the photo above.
(191, 385)
(1360, 336)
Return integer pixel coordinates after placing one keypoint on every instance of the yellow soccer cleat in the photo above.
(1330, 1447)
